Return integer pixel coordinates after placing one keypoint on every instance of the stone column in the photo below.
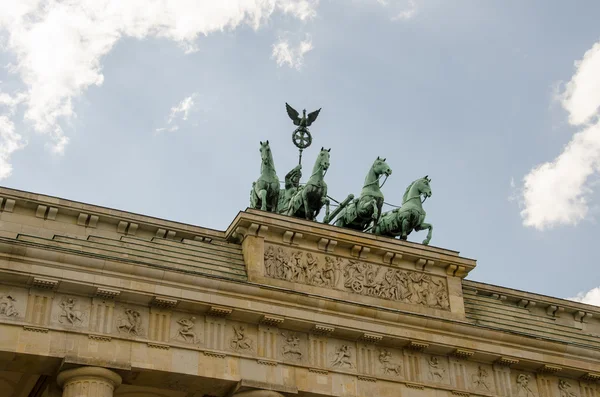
(258, 393)
(88, 382)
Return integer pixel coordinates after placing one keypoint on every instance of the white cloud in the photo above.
(557, 192)
(293, 56)
(10, 142)
(407, 13)
(591, 297)
(58, 45)
(181, 112)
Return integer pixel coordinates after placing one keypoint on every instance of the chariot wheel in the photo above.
(302, 138)
(357, 286)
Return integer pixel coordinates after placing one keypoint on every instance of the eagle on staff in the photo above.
(301, 135)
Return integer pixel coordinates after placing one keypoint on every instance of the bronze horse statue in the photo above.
(401, 221)
(265, 191)
(309, 199)
(366, 209)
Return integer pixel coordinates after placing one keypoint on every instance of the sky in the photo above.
(158, 107)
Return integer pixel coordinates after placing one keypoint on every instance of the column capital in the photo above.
(78, 382)
(258, 393)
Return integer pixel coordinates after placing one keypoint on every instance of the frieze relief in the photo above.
(71, 311)
(293, 346)
(242, 339)
(436, 369)
(13, 303)
(131, 321)
(356, 276)
(390, 364)
(186, 329)
(524, 385)
(342, 356)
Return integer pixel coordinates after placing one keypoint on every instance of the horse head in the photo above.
(265, 153)
(424, 187)
(380, 167)
(323, 159)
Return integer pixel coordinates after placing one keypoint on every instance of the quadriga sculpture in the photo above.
(401, 221)
(265, 191)
(362, 211)
(310, 198)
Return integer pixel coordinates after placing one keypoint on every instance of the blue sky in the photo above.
(158, 108)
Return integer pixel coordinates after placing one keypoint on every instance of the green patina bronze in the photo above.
(310, 198)
(401, 221)
(265, 191)
(366, 209)
(292, 184)
(301, 135)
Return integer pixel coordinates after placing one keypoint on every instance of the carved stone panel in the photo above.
(435, 369)
(13, 303)
(356, 277)
(241, 338)
(71, 311)
(341, 355)
(131, 321)
(481, 378)
(293, 346)
(524, 384)
(187, 329)
(389, 363)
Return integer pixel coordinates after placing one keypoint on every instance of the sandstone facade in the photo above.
(100, 302)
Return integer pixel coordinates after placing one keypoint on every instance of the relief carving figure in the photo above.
(565, 389)
(69, 313)
(357, 277)
(7, 306)
(523, 388)
(436, 371)
(342, 357)
(480, 379)
(389, 368)
(270, 262)
(132, 324)
(240, 341)
(291, 348)
(186, 331)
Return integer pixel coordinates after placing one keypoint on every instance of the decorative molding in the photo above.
(327, 245)
(101, 338)
(460, 393)
(107, 293)
(507, 361)
(526, 303)
(292, 238)
(549, 369)
(271, 320)
(128, 228)
(414, 386)
(214, 354)
(417, 346)
(581, 316)
(158, 346)
(367, 378)
(318, 371)
(591, 377)
(392, 258)
(321, 329)
(358, 251)
(87, 220)
(163, 302)
(9, 205)
(499, 297)
(44, 283)
(423, 264)
(35, 329)
(266, 362)
(462, 353)
(219, 311)
(554, 311)
(371, 338)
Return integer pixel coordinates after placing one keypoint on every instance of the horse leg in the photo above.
(404, 229)
(375, 215)
(307, 212)
(424, 226)
(263, 199)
